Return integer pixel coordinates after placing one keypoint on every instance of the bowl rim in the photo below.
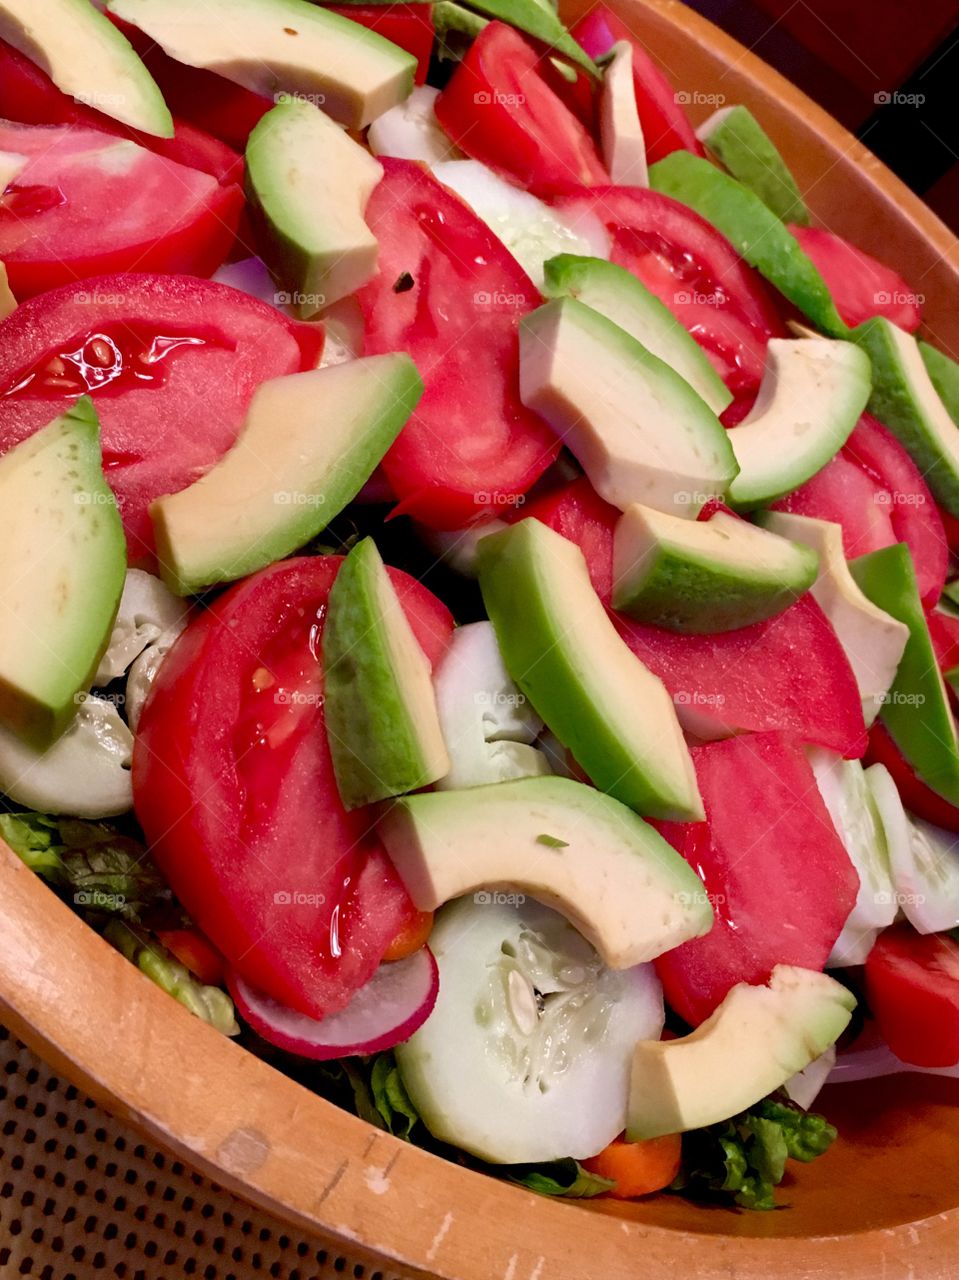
(101, 1023)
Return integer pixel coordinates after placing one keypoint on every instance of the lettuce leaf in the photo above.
(744, 1159)
(557, 1178)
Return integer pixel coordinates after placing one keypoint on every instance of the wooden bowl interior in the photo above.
(892, 1180)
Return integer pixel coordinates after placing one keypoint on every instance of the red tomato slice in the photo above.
(171, 363)
(217, 105)
(408, 25)
(53, 224)
(912, 984)
(944, 633)
(914, 515)
(234, 788)
(471, 446)
(843, 493)
(788, 673)
(693, 270)
(665, 125)
(197, 952)
(498, 109)
(779, 879)
(29, 95)
(916, 795)
(860, 285)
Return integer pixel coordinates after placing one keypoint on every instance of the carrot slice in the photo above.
(638, 1168)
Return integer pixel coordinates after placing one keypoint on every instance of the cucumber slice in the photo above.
(526, 1055)
(924, 860)
(848, 797)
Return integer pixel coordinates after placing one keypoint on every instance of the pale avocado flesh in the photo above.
(753, 230)
(705, 576)
(750, 1046)
(916, 710)
(310, 442)
(308, 183)
(622, 298)
(381, 718)
(566, 656)
(566, 844)
(61, 574)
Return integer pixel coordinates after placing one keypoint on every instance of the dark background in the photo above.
(853, 57)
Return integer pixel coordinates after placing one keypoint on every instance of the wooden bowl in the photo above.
(883, 1203)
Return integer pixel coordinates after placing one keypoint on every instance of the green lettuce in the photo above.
(744, 1159)
(557, 1178)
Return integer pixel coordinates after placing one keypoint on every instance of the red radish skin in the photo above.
(777, 874)
(395, 1002)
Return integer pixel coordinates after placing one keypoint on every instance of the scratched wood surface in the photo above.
(882, 1203)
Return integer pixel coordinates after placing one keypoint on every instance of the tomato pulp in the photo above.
(450, 294)
(171, 363)
(234, 788)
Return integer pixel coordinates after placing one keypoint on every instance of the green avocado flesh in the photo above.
(744, 148)
(754, 231)
(563, 651)
(61, 573)
(916, 709)
(381, 718)
(705, 576)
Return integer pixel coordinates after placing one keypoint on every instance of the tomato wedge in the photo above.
(877, 494)
(918, 798)
(912, 983)
(54, 227)
(861, 286)
(666, 127)
(788, 673)
(777, 874)
(234, 788)
(499, 109)
(408, 25)
(29, 95)
(171, 363)
(471, 446)
(693, 270)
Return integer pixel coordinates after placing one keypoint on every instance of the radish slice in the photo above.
(394, 1003)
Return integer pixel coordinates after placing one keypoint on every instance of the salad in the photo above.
(475, 568)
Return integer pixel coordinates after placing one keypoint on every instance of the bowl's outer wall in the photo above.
(881, 1203)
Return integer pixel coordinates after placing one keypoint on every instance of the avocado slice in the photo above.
(750, 1046)
(873, 640)
(87, 57)
(310, 442)
(944, 373)
(309, 184)
(565, 844)
(620, 128)
(539, 19)
(640, 432)
(563, 651)
(704, 576)
(281, 47)
(744, 148)
(812, 395)
(622, 298)
(381, 718)
(61, 574)
(904, 397)
(916, 710)
(754, 231)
